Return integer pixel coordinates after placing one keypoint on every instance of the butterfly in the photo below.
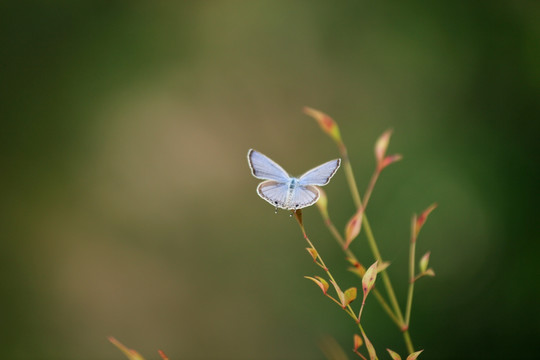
(284, 191)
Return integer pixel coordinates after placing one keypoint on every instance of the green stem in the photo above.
(384, 274)
(411, 287)
(412, 250)
(374, 248)
(350, 177)
(351, 255)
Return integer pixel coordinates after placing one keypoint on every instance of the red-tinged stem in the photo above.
(359, 354)
(348, 309)
(334, 300)
(361, 308)
(371, 186)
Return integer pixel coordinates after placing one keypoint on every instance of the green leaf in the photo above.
(424, 262)
(349, 296)
(370, 348)
(429, 272)
(381, 145)
(382, 266)
(368, 281)
(314, 254)
(394, 355)
(414, 355)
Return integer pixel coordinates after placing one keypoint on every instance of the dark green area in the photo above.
(458, 81)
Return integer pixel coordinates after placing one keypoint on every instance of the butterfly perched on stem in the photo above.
(287, 192)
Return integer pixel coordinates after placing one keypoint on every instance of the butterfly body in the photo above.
(286, 192)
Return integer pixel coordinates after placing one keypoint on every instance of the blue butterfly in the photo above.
(284, 191)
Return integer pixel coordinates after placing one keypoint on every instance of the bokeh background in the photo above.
(128, 208)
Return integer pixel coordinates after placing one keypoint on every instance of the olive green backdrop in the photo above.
(128, 208)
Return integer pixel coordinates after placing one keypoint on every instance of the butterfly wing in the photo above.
(274, 192)
(320, 175)
(262, 167)
(304, 196)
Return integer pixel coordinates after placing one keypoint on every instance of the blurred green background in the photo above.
(128, 208)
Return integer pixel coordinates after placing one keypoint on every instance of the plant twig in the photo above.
(298, 216)
(412, 250)
(374, 248)
(351, 255)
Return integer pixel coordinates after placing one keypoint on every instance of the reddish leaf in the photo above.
(357, 341)
(420, 220)
(162, 354)
(353, 227)
(319, 281)
(389, 160)
(327, 124)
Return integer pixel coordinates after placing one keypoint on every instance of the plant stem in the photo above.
(370, 187)
(412, 250)
(361, 309)
(384, 274)
(348, 309)
(411, 287)
(374, 248)
(351, 255)
(359, 354)
(350, 176)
